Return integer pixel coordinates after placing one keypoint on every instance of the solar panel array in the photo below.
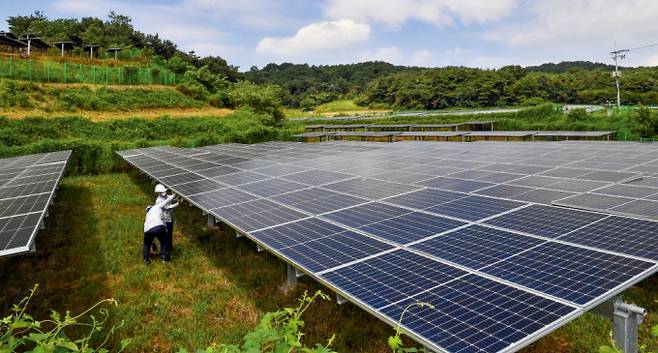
(27, 186)
(471, 228)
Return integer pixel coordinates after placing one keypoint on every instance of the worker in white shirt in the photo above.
(167, 215)
(154, 227)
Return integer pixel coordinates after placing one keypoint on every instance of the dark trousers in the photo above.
(170, 235)
(159, 232)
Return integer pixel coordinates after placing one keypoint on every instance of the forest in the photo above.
(373, 84)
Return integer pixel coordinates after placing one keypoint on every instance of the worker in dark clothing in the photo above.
(154, 227)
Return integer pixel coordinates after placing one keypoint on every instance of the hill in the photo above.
(565, 66)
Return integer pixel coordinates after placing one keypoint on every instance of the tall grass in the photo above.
(21, 94)
(67, 72)
(94, 143)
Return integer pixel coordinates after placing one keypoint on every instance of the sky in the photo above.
(428, 33)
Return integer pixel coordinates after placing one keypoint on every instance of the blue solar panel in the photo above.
(475, 314)
(571, 273)
(271, 187)
(333, 250)
(410, 227)
(317, 177)
(318, 201)
(622, 235)
(545, 221)
(365, 214)
(257, 214)
(476, 246)
(473, 208)
(221, 198)
(455, 184)
(370, 188)
(297, 232)
(391, 277)
(423, 199)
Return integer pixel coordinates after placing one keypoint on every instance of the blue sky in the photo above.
(476, 33)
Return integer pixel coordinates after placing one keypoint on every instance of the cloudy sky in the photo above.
(477, 33)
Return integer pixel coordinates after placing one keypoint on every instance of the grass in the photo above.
(217, 286)
(214, 291)
(99, 116)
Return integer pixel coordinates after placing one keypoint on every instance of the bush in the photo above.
(263, 100)
(542, 111)
(21, 332)
(94, 143)
(647, 120)
(578, 114)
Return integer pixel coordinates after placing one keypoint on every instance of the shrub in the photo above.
(647, 120)
(19, 331)
(263, 100)
(578, 114)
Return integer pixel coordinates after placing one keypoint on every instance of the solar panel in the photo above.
(257, 214)
(362, 215)
(571, 273)
(424, 199)
(271, 187)
(410, 227)
(476, 314)
(27, 186)
(370, 188)
(380, 224)
(451, 184)
(476, 246)
(545, 221)
(317, 201)
(391, 277)
(473, 208)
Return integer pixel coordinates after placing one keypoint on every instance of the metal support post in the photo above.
(340, 300)
(291, 276)
(238, 234)
(42, 225)
(33, 247)
(626, 320)
(259, 248)
(211, 220)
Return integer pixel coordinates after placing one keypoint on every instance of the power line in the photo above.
(618, 54)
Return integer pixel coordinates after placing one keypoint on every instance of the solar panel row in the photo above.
(27, 185)
(467, 228)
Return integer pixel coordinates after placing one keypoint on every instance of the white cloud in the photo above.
(316, 38)
(437, 12)
(578, 28)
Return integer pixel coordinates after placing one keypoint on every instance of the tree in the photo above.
(118, 30)
(264, 100)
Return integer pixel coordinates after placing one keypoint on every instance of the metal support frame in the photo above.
(211, 220)
(259, 248)
(238, 234)
(626, 319)
(291, 276)
(340, 300)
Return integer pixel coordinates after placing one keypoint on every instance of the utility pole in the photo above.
(616, 56)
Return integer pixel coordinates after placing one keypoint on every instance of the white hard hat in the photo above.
(160, 188)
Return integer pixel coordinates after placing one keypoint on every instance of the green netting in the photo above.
(55, 72)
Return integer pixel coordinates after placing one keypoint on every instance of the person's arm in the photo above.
(165, 202)
(172, 206)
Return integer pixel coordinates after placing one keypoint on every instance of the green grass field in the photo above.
(216, 288)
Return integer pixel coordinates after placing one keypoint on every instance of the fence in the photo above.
(55, 72)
